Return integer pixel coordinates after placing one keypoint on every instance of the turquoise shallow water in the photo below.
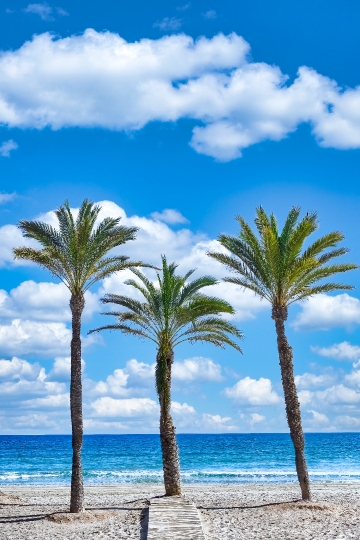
(238, 458)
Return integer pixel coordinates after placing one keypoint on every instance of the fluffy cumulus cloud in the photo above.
(310, 380)
(25, 337)
(34, 399)
(17, 368)
(169, 215)
(325, 312)
(35, 316)
(123, 408)
(42, 301)
(255, 392)
(137, 377)
(10, 237)
(197, 369)
(98, 79)
(339, 351)
(154, 237)
(20, 380)
(29, 401)
(330, 400)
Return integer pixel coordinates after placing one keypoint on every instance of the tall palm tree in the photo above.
(172, 312)
(77, 253)
(278, 268)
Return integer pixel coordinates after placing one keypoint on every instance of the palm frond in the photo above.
(275, 265)
(76, 251)
(173, 311)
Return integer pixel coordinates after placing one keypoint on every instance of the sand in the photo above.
(254, 511)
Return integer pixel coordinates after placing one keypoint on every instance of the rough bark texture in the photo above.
(169, 447)
(279, 314)
(77, 304)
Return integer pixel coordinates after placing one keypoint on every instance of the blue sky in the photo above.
(208, 109)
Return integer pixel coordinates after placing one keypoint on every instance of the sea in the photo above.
(227, 458)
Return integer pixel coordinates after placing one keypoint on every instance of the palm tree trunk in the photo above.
(77, 304)
(169, 447)
(279, 314)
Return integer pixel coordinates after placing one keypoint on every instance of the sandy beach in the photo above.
(231, 512)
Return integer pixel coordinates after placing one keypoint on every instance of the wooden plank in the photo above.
(174, 518)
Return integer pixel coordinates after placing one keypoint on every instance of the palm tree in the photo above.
(77, 253)
(278, 268)
(172, 312)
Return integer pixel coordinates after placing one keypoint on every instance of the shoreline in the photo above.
(227, 511)
(203, 485)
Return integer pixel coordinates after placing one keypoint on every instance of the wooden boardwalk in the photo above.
(174, 518)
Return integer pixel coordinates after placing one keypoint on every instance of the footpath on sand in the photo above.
(174, 518)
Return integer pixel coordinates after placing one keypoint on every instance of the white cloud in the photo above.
(99, 426)
(44, 301)
(139, 373)
(257, 418)
(211, 14)
(10, 237)
(216, 422)
(115, 384)
(133, 407)
(100, 80)
(37, 338)
(338, 394)
(339, 351)
(182, 246)
(315, 420)
(28, 422)
(187, 419)
(182, 409)
(7, 147)
(347, 421)
(310, 380)
(22, 380)
(54, 401)
(61, 369)
(169, 215)
(7, 197)
(249, 391)
(324, 312)
(43, 10)
(196, 369)
(168, 24)
(333, 396)
(136, 376)
(16, 368)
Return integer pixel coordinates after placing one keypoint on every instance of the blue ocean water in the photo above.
(238, 458)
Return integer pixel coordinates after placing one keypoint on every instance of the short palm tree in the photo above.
(276, 266)
(173, 311)
(77, 253)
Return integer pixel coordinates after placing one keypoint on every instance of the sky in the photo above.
(178, 118)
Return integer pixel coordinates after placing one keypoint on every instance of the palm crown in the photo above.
(75, 252)
(275, 265)
(174, 311)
